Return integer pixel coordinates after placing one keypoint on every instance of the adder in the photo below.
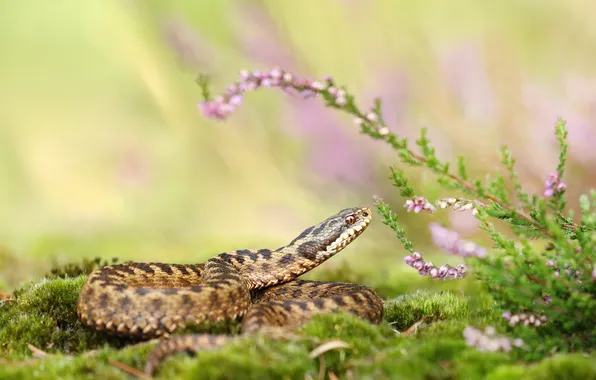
(147, 300)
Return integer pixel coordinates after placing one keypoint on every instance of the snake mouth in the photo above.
(346, 237)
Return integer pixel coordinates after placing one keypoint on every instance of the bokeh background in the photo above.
(103, 151)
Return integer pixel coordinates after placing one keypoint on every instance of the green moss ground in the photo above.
(43, 314)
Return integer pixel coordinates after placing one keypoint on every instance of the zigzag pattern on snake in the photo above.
(147, 300)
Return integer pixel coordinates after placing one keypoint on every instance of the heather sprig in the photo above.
(427, 268)
(508, 161)
(391, 219)
(520, 274)
(460, 204)
(525, 319)
(371, 123)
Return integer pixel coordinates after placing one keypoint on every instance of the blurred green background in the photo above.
(103, 151)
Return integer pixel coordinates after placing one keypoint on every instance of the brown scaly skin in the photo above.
(147, 300)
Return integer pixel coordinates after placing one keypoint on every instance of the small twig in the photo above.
(332, 376)
(130, 370)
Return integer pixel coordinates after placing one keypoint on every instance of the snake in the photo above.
(258, 287)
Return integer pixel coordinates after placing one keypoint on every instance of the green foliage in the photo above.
(521, 277)
(390, 219)
(203, 82)
(401, 182)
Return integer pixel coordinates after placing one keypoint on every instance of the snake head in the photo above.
(342, 228)
(321, 241)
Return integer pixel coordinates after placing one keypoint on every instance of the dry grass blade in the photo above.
(6, 296)
(25, 363)
(332, 376)
(328, 346)
(322, 367)
(130, 370)
(412, 329)
(38, 353)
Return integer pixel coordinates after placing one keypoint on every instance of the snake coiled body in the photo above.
(147, 300)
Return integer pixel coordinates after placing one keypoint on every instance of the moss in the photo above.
(571, 366)
(508, 372)
(558, 367)
(85, 267)
(402, 312)
(43, 314)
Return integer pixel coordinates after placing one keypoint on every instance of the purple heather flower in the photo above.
(213, 109)
(372, 116)
(419, 204)
(428, 268)
(222, 106)
(460, 204)
(317, 86)
(443, 271)
(526, 319)
(567, 269)
(594, 273)
(553, 185)
(236, 100)
(452, 273)
(341, 101)
(418, 265)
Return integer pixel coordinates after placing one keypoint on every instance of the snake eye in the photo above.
(350, 219)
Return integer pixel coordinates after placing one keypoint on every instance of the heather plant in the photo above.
(541, 273)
